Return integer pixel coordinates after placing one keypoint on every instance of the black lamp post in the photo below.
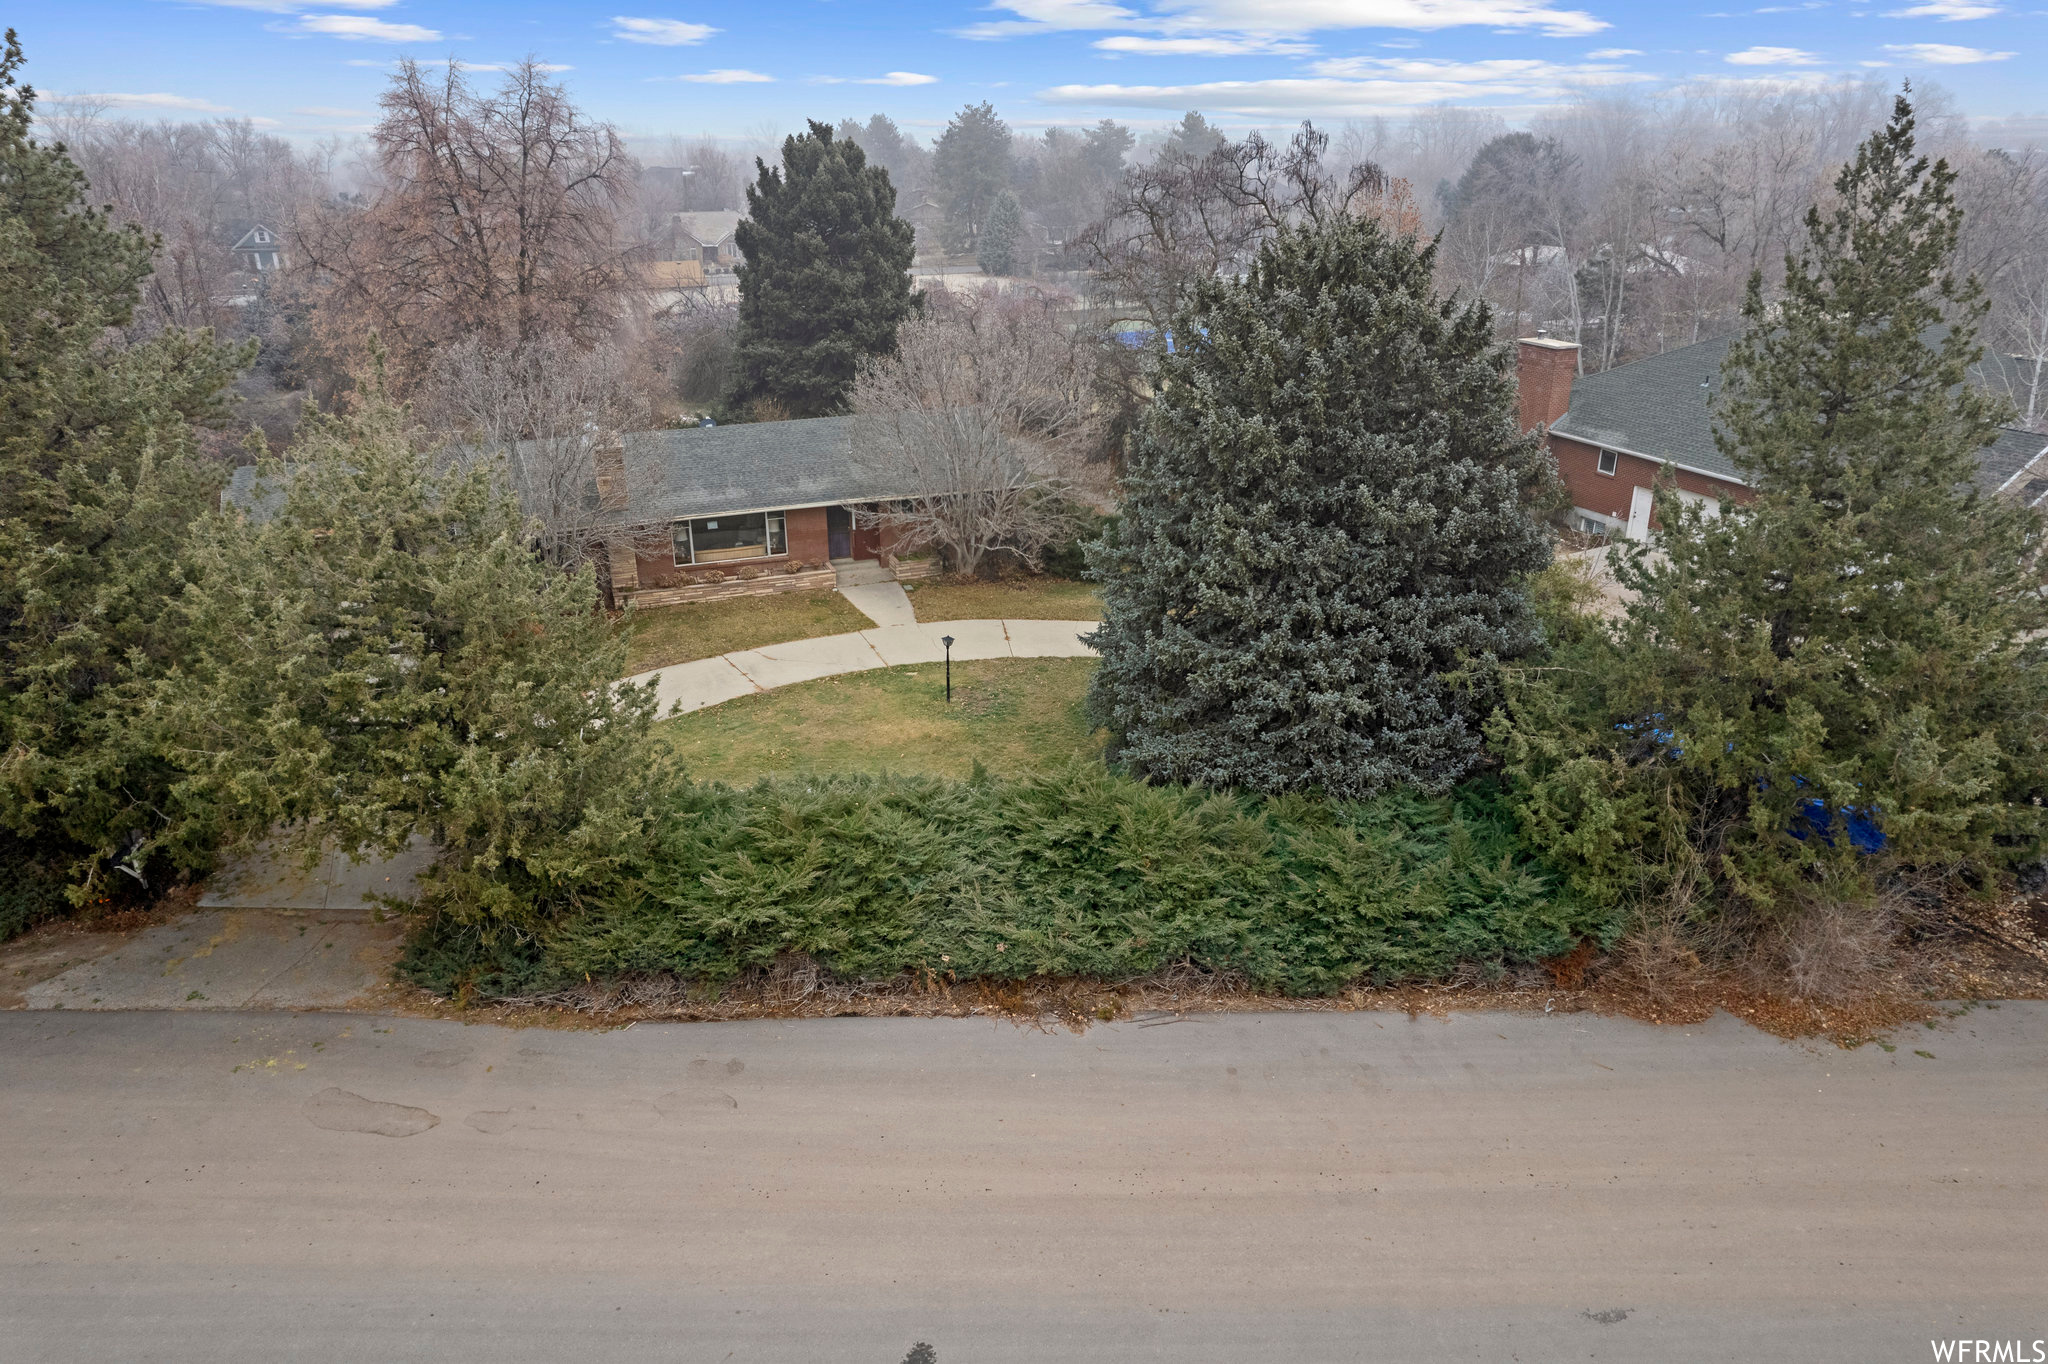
(947, 640)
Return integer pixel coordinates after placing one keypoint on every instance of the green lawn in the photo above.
(1022, 598)
(1014, 715)
(677, 634)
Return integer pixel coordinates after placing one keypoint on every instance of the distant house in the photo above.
(1613, 434)
(256, 247)
(927, 218)
(706, 238)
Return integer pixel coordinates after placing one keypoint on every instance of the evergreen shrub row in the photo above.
(1082, 871)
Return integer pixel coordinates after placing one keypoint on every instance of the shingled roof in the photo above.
(702, 471)
(757, 466)
(1661, 408)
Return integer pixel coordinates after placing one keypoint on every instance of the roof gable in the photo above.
(255, 237)
(1660, 407)
(708, 228)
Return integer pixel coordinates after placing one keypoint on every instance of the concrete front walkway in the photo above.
(883, 603)
(684, 687)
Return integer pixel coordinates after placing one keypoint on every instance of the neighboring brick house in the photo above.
(742, 510)
(1613, 433)
(706, 513)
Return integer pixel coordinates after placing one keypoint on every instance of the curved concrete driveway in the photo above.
(684, 687)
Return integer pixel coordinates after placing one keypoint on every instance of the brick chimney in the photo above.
(1545, 369)
(610, 460)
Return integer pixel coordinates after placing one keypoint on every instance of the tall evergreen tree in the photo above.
(971, 166)
(100, 476)
(1001, 238)
(1325, 527)
(1865, 640)
(1193, 137)
(826, 278)
(377, 652)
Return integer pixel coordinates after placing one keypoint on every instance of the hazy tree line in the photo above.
(1626, 223)
(1631, 225)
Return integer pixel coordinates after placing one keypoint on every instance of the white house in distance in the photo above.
(256, 247)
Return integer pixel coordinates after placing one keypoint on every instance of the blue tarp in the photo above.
(1815, 816)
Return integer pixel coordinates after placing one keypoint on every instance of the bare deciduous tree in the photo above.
(697, 336)
(195, 187)
(500, 216)
(1185, 217)
(2020, 330)
(985, 415)
(555, 415)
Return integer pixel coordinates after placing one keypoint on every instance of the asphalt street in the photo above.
(1286, 1187)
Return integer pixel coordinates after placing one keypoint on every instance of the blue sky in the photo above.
(315, 66)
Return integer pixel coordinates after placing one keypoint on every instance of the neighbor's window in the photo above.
(1608, 461)
(714, 539)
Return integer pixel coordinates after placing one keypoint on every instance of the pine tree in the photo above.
(970, 166)
(826, 279)
(378, 653)
(1325, 525)
(1864, 640)
(100, 475)
(1193, 137)
(997, 253)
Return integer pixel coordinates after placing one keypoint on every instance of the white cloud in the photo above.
(1220, 45)
(899, 78)
(1608, 54)
(362, 28)
(182, 103)
(1360, 85)
(1772, 56)
(660, 32)
(545, 68)
(1948, 10)
(1518, 72)
(1280, 18)
(1781, 83)
(294, 6)
(727, 77)
(325, 111)
(1945, 54)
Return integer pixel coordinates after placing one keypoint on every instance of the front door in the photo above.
(838, 532)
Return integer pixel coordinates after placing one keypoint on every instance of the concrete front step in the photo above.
(861, 572)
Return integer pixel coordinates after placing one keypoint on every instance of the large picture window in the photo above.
(715, 539)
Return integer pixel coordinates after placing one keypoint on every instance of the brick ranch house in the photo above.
(746, 510)
(1613, 433)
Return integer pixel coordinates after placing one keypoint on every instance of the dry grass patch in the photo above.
(1019, 598)
(665, 635)
(1013, 715)
(1949, 977)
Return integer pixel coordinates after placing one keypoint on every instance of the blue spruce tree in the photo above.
(1327, 529)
